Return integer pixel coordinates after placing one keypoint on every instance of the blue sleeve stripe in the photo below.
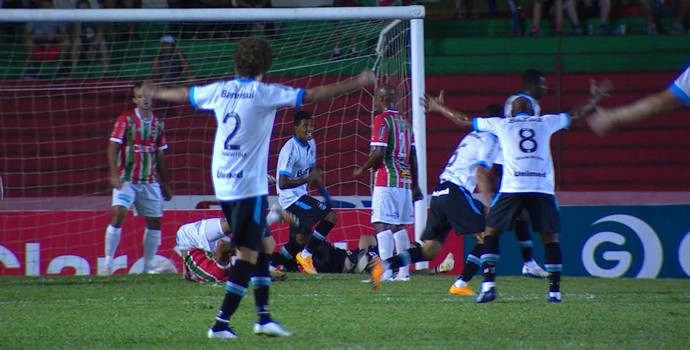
(300, 97)
(567, 121)
(680, 94)
(284, 172)
(474, 124)
(483, 164)
(191, 97)
(312, 165)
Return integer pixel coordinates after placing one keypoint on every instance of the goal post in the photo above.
(54, 129)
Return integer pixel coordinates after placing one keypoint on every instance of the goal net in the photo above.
(59, 105)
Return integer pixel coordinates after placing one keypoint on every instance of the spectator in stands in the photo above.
(45, 41)
(555, 8)
(649, 8)
(469, 9)
(88, 40)
(170, 64)
(677, 95)
(269, 28)
(601, 9)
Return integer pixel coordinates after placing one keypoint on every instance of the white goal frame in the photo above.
(413, 14)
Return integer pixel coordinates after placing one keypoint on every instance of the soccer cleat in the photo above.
(401, 278)
(466, 290)
(222, 333)
(377, 271)
(105, 270)
(277, 276)
(285, 216)
(532, 269)
(306, 263)
(554, 300)
(447, 263)
(271, 329)
(486, 296)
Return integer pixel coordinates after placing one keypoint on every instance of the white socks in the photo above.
(402, 243)
(112, 240)
(385, 244)
(152, 239)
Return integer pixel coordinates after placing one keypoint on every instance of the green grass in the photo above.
(338, 312)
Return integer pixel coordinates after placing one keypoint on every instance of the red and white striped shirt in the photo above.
(393, 131)
(141, 140)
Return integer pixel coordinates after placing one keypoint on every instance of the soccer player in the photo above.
(138, 176)
(297, 169)
(534, 88)
(527, 183)
(675, 96)
(395, 187)
(205, 246)
(452, 206)
(245, 109)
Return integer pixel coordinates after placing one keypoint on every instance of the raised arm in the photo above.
(436, 104)
(598, 91)
(326, 92)
(179, 94)
(605, 119)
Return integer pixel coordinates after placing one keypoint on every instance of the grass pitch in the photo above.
(339, 312)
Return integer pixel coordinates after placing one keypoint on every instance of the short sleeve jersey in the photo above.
(681, 86)
(392, 131)
(140, 142)
(295, 160)
(474, 150)
(193, 235)
(245, 110)
(508, 113)
(525, 141)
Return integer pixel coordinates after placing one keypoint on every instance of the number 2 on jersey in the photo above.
(236, 117)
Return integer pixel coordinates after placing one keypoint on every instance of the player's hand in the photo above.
(433, 104)
(314, 178)
(147, 88)
(417, 194)
(115, 182)
(601, 89)
(601, 122)
(166, 192)
(271, 180)
(357, 172)
(366, 78)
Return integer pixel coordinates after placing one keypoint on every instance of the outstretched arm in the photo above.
(436, 104)
(598, 91)
(326, 92)
(605, 119)
(178, 94)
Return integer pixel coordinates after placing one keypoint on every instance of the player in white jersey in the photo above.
(296, 170)
(534, 87)
(675, 96)
(527, 181)
(245, 111)
(205, 246)
(452, 206)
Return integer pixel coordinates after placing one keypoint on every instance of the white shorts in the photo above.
(146, 198)
(392, 205)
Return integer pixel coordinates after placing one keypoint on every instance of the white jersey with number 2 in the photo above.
(526, 144)
(245, 110)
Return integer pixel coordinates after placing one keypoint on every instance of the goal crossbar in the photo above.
(217, 15)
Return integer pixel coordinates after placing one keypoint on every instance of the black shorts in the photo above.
(247, 219)
(542, 209)
(309, 210)
(453, 207)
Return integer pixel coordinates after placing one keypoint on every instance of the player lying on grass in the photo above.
(206, 250)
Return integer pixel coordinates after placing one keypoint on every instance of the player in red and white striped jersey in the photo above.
(136, 165)
(393, 157)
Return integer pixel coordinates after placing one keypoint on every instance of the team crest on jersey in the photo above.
(322, 205)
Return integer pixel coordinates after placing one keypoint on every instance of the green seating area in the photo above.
(451, 47)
